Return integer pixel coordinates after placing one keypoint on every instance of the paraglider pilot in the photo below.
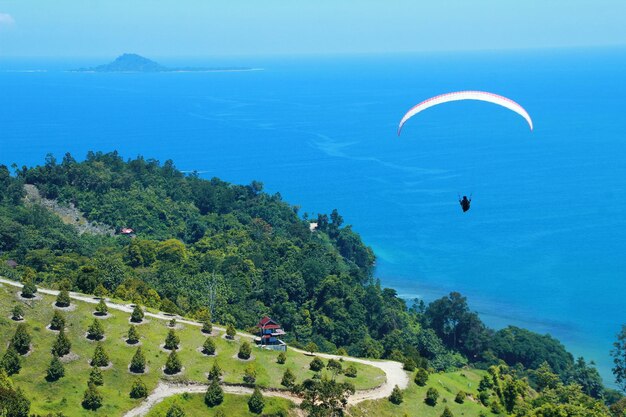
(465, 203)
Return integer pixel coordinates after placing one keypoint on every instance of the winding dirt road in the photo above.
(394, 373)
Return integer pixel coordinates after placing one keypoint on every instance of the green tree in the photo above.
(334, 366)
(172, 323)
(215, 373)
(29, 289)
(21, 340)
(138, 389)
(256, 403)
(172, 340)
(138, 362)
(95, 376)
(281, 359)
(208, 348)
(421, 377)
(56, 370)
(214, 394)
(175, 411)
(92, 399)
(100, 357)
(311, 347)
(173, 364)
(460, 397)
(101, 308)
(61, 345)
(432, 395)
(95, 331)
(409, 365)
(244, 351)
(207, 327)
(619, 359)
(316, 365)
(137, 314)
(63, 299)
(133, 335)
(351, 371)
(289, 379)
(100, 291)
(249, 374)
(17, 313)
(11, 361)
(396, 396)
(230, 331)
(544, 378)
(447, 412)
(324, 397)
(58, 321)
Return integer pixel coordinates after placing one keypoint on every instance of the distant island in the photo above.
(138, 63)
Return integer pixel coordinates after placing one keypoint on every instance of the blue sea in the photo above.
(544, 245)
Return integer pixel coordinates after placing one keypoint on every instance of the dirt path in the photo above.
(394, 373)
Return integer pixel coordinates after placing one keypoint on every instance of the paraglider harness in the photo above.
(464, 202)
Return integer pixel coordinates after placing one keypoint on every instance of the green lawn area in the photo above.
(66, 394)
(448, 385)
(233, 406)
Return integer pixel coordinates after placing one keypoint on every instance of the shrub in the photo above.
(495, 407)
(100, 357)
(21, 340)
(214, 394)
(316, 365)
(207, 327)
(334, 366)
(447, 412)
(289, 379)
(172, 323)
(249, 374)
(11, 361)
(95, 330)
(137, 315)
(342, 352)
(139, 389)
(175, 411)
(62, 345)
(95, 376)
(421, 377)
(58, 321)
(215, 373)
(138, 362)
(483, 397)
(133, 336)
(281, 359)
(311, 347)
(173, 364)
(101, 308)
(92, 399)
(100, 291)
(432, 395)
(56, 370)
(63, 299)
(396, 396)
(172, 340)
(244, 351)
(460, 397)
(29, 289)
(409, 365)
(256, 403)
(350, 371)
(208, 348)
(17, 313)
(230, 331)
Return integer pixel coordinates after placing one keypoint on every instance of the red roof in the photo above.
(267, 322)
(126, 231)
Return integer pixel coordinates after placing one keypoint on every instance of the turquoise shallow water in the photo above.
(543, 246)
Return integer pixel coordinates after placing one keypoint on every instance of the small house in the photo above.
(269, 333)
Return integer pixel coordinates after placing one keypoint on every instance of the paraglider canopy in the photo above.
(466, 95)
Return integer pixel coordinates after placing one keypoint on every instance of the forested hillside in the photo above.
(239, 253)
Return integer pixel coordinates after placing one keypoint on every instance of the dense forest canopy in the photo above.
(235, 253)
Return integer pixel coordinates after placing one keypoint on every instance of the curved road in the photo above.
(394, 373)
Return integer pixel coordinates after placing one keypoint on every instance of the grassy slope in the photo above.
(233, 406)
(66, 394)
(448, 385)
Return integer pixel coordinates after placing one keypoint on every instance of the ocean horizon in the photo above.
(542, 246)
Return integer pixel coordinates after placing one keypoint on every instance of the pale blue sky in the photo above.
(242, 27)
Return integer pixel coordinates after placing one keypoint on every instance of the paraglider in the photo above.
(466, 95)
